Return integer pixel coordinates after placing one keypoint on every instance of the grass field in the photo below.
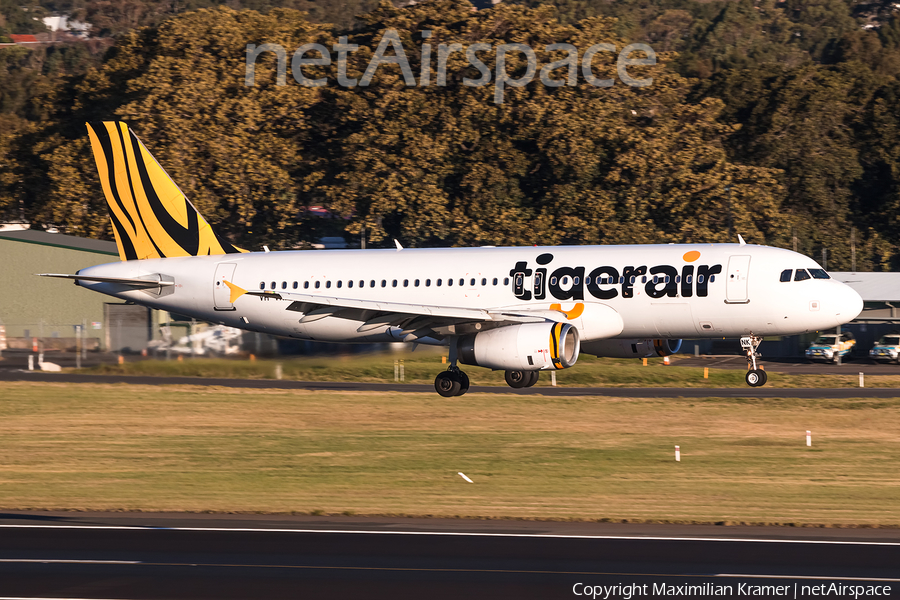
(126, 447)
(423, 365)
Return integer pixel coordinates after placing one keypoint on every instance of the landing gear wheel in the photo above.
(535, 375)
(451, 383)
(446, 384)
(518, 379)
(756, 377)
(463, 383)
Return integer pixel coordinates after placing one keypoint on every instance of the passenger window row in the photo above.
(804, 274)
(383, 283)
(633, 279)
(564, 281)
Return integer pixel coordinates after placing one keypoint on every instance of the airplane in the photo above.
(522, 310)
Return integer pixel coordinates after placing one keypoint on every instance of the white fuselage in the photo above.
(714, 290)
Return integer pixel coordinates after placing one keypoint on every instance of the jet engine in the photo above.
(632, 348)
(525, 347)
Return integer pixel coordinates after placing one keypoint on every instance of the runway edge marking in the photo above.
(452, 534)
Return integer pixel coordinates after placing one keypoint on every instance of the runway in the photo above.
(614, 392)
(792, 366)
(17, 359)
(116, 555)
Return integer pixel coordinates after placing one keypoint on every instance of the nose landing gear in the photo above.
(755, 376)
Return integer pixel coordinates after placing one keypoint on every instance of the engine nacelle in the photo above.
(632, 348)
(525, 347)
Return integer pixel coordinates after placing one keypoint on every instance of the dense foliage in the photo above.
(115, 17)
(778, 121)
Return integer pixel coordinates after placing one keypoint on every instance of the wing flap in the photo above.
(411, 310)
(418, 317)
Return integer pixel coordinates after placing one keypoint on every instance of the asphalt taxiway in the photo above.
(615, 392)
(791, 365)
(17, 359)
(140, 555)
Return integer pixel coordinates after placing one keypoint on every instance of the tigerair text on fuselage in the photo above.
(603, 283)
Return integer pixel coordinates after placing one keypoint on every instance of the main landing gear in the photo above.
(451, 382)
(755, 377)
(522, 379)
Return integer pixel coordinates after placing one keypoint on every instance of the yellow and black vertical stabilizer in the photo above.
(151, 217)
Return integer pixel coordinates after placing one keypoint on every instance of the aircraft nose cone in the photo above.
(848, 304)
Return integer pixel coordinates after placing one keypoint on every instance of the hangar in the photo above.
(881, 311)
(880, 292)
(50, 313)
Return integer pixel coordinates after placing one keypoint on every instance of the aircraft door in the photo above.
(736, 291)
(221, 292)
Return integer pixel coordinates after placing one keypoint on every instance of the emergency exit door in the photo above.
(736, 280)
(221, 292)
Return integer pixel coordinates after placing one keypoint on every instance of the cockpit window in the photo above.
(801, 275)
(819, 274)
(786, 275)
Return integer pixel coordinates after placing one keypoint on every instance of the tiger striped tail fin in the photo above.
(151, 217)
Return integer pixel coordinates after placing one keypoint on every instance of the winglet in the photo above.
(399, 247)
(236, 291)
(576, 311)
(741, 240)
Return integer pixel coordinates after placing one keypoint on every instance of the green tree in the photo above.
(444, 165)
(802, 122)
(19, 17)
(428, 164)
(231, 148)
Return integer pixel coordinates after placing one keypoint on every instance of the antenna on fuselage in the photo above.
(741, 240)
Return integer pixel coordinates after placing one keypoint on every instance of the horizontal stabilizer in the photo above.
(135, 283)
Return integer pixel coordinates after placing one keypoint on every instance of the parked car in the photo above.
(887, 349)
(829, 346)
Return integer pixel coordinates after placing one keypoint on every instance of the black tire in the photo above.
(446, 384)
(517, 379)
(765, 378)
(535, 375)
(754, 377)
(463, 383)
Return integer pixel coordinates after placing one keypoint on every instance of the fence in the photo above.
(134, 330)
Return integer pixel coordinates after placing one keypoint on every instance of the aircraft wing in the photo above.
(416, 320)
